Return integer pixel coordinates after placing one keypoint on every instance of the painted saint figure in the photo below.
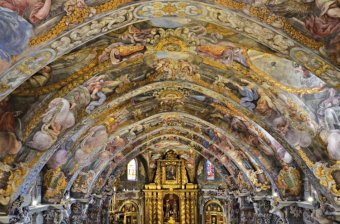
(167, 208)
(171, 172)
(15, 34)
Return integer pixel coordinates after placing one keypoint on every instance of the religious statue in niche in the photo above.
(171, 207)
(171, 172)
(128, 220)
(213, 219)
(213, 213)
(129, 211)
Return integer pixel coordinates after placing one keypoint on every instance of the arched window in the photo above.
(132, 170)
(210, 170)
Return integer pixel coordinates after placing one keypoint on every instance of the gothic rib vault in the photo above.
(242, 85)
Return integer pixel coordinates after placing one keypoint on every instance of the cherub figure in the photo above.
(265, 105)
(164, 66)
(248, 92)
(99, 87)
(71, 6)
(119, 52)
(226, 52)
(293, 136)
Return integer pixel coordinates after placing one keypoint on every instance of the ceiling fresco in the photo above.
(86, 86)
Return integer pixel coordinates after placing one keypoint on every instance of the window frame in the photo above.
(136, 170)
(206, 170)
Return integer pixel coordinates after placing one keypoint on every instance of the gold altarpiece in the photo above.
(171, 198)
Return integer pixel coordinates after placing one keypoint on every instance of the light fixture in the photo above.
(310, 199)
(275, 194)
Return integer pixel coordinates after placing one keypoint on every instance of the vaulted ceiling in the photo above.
(251, 86)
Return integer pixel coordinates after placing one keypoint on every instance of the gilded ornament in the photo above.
(212, 28)
(258, 75)
(241, 182)
(232, 4)
(305, 158)
(73, 78)
(78, 16)
(9, 159)
(264, 15)
(100, 183)
(289, 181)
(230, 110)
(171, 44)
(169, 9)
(14, 181)
(325, 176)
(64, 91)
(314, 64)
(254, 179)
(55, 183)
(3, 87)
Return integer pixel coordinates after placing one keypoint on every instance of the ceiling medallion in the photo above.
(171, 44)
(171, 98)
(289, 181)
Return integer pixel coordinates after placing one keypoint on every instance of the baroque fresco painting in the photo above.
(240, 98)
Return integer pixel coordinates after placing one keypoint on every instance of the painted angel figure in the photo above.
(99, 87)
(119, 52)
(329, 111)
(36, 9)
(248, 92)
(327, 22)
(15, 34)
(226, 52)
(329, 118)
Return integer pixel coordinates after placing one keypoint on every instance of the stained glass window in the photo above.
(132, 170)
(210, 170)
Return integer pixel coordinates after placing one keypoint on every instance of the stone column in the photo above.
(55, 216)
(106, 209)
(247, 215)
(234, 211)
(94, 212)
(294, 214)
(262, 212)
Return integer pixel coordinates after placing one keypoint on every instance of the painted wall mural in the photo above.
(279, 43)
(264, 109)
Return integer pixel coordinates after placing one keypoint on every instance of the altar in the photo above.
(171, 198)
